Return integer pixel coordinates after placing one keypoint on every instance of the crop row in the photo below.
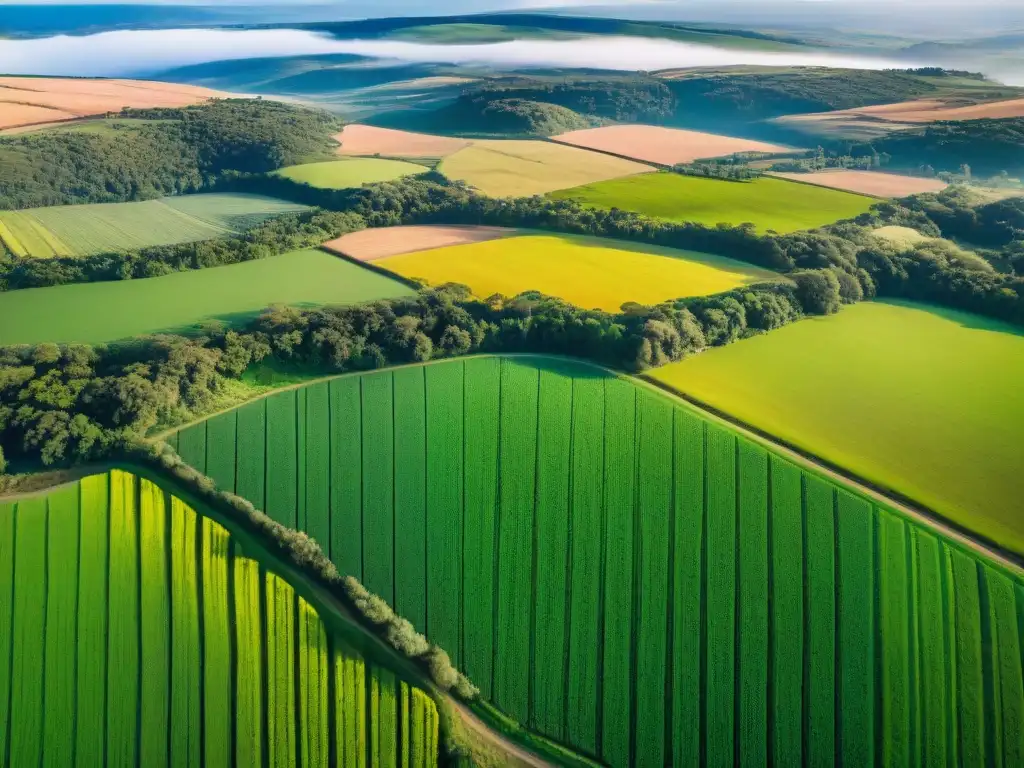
(622, 575)
(134, 632)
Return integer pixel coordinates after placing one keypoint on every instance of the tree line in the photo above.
(149, 153)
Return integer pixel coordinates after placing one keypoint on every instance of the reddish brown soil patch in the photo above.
(665, 146)
(367, 140)
(868, 182)
(379, 243)
(30, 100)
(921, 111)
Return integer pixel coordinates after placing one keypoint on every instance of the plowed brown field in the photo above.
(665, 146)
(872, 183)
(921, 111)
(367, 140)
(379, 243)
(31, 100)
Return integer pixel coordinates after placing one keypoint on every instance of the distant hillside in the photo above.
(537, 24)
(987, 146)
(510, 117)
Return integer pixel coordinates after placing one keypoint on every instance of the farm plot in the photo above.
(609, 563)
(83, 230)
(870, 390)
(381, 242)
(183, 300)
(368, 140)
(769, 204)
(350, 173)
(874, 183)
(523, 168)
(617, 272)
(664, 146)
(127, 613)
(31, 100)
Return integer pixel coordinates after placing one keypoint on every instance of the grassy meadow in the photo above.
(101, 312)
(138, 631)
(767, 203)
(606, 563)
(84, 230)
(350, 173)
(501, 168)
(589, 272)
(921, 400)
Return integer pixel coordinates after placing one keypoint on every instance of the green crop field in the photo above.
(83, 230)
(83, 312)
(136, 631)
(768, 204)
(350, 173)
(921, 400)
(621, 573)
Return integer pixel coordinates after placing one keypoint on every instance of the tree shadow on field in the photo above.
(563, 366)
(961, 317)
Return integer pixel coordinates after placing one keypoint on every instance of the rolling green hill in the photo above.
(619, 572)
(137, 629)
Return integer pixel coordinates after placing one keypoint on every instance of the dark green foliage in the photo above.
(629, 98)
(184, 151)
(987, 146)
(481, 114)
(818, 291)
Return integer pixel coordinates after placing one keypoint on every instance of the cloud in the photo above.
(143, 52)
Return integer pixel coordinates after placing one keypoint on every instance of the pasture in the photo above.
(84, 230)
(380, 242)
(500, 168)
(874, 183)
(350, 173)
(369, 140)
(39, 100)
(617, 571)
(904, 237)
(769, 204)
(135, 630)
(101, 312)
(917, 399)
(613, 272)
(663, 146)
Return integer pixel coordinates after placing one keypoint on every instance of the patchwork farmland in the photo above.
(183, 300)
(350, 173)
(136, 631)
(769, 204)
(617, 271)
(869, 390)
(83, 230)
(627, 576)
(503, 168)
(664, 146)
(874, 183)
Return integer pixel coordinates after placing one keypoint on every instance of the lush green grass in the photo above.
(350, 173)
(768, 204)
(82, 230)
(921, 400)
(172, 703)
(614, 272)
(99, 312)
(561, 531)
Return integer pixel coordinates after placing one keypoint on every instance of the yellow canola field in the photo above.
(589, 272)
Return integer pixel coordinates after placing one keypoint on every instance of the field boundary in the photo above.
(654, 165)
(876, 493)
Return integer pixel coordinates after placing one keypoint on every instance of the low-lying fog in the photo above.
(145, 52)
